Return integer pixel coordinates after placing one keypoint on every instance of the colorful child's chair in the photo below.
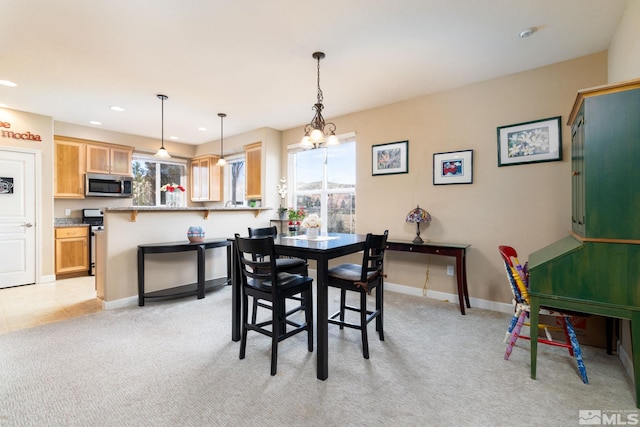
(518, 279)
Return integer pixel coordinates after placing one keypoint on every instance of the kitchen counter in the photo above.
(205, 210)
(116, 252)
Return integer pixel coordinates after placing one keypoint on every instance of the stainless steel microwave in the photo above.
(108, 185)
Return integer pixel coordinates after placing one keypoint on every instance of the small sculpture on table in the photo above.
(418, 215)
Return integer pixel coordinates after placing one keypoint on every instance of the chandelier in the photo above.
(318, 132)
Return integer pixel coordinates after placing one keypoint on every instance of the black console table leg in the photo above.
(140, 277)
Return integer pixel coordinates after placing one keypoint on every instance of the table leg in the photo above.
(236, 300)
(464, 277)
(460, 280)
(322, 266)
(533, 332)
(140, 277)
(201, 270)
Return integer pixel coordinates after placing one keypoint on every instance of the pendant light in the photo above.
(318, 132)
(221, 161)
(162, 152)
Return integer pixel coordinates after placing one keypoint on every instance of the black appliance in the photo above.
(95, 219)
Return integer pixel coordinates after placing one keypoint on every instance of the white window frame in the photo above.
(324, 192)
(174, 161)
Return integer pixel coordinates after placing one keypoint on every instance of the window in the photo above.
(234, 181)
(324, 182)
(150, 174)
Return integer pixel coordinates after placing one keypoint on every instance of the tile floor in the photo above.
(27, 306)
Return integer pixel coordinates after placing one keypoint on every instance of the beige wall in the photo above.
(624, 52)
(39, 125)
(525, 206)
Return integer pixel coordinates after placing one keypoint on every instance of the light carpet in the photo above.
(173, 363)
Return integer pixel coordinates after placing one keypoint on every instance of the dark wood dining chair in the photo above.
(262, 281)
(291, 265)
(362, 278)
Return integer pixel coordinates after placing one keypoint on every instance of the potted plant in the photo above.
(295, 216)
(282, 191)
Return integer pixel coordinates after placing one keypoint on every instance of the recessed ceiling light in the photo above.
(173, 137)
(7, 83)
(116, 108)
(202, 128)
(95, 122)
(526, 33)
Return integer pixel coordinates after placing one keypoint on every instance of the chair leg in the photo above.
(245, 315)
(308, 317)
(275, 336)
(565, 329)
(363, 324)
(576, 350)
(512, 325)
(254, 311)
(380, 309)
(515, 334)
(343, 303)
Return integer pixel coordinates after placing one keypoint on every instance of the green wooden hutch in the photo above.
(596, 268)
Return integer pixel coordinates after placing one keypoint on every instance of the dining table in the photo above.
(321, 249)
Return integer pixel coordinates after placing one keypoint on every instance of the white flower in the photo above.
(282, 188)
(312, 221)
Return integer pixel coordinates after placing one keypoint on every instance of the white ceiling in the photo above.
(251, 59)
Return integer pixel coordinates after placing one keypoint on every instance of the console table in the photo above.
(198, 288)
(456, 250)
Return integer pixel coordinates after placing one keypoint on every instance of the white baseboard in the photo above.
(453, 298)
(47, 279)
(119, 303)
(626, 361)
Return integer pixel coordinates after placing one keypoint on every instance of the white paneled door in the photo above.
(17, 218)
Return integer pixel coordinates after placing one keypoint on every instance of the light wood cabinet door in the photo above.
(253, 159)
(69, 169)
(121, 161)
(72, 250)
(206, 179)
(109, 160)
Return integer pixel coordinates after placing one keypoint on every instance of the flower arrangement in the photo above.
(172, 187)
(312, 221)
(282, 191)
(296, 214)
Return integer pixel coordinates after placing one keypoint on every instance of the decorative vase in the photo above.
(312, 233)
(283, 215)
(195, 234)
(172, 199)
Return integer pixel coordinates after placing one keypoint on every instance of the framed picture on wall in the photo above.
(530, 142)
(454, 167)
(390, 158)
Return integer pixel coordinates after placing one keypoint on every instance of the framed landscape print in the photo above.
(390, 158)
(530, 142)
(454, 167)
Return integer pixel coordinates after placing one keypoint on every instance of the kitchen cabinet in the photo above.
(109, 159)
(69, 167)
(253, 159)
(206, 179)
(72, 250)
